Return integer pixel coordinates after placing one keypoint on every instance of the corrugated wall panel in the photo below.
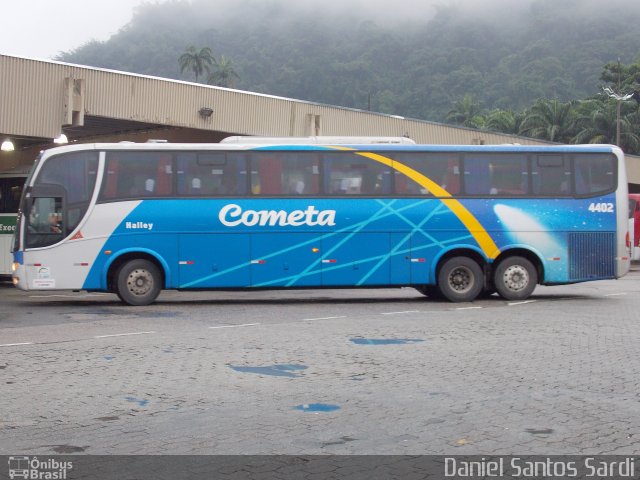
(30, 100)
(32, 104)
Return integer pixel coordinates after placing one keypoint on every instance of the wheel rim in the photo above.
(516, 278)
(140, 282)
(461, 279)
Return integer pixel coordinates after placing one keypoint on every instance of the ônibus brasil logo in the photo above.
(32, 468)
(233, 215)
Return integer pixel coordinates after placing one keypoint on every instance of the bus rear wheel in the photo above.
(460, 279)
(515, 278)
(138, 282)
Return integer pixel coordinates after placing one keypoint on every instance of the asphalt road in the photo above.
(322, 372)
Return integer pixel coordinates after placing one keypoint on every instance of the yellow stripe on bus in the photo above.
(475, 228)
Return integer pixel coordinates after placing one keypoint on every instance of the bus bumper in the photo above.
(18, 271)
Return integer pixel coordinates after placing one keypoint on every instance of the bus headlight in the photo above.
(15, 281)
(15, 266)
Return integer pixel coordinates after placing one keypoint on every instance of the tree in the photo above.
(224, 74)
(597, 124)
(621, 77)
(549, 120)
(198, 61)
(466, 112)
(505, 121)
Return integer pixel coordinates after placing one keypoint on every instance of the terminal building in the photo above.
(43, 103)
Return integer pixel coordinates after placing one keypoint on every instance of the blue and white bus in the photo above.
(452, 221)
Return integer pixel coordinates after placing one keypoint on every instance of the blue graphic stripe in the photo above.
(375, 217)
(394, 250)
(327, 268)
(357, 226)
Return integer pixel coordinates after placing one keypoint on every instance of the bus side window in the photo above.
(594, 174)
(442, 169)
(301, 174)
(285, 173)
(477, 175)
(355, 175)
(509, 175)
(266, 174)
(138, 175)
(551, 175)
(451, 179)
(110, 189)
(210, 174)
(164, 176)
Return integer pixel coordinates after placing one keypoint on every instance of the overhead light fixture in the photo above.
(205, 112)
(60, 139)
(7, 146)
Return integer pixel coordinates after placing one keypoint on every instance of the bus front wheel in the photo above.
(138, 282)
(460, 279)
(515, 278)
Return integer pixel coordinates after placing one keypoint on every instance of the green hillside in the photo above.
(419, 66)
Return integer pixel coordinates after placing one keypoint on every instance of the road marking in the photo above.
(123, 334)
(615, 294)
(468, 308)
(15, 344)
(323, 318)
(234, 326)
(511, 304)
(400, 313)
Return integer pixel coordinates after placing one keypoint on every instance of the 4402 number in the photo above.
(601, 207)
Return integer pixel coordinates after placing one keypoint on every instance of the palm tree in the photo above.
(466, 112)
(198, 61)
(597, 124)
(549, 120)
(224, 74)
(505, 121)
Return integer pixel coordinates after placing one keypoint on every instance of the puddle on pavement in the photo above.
(140, 402)
(68, 448)
(286, 370)
(317, 407)
(539, 431)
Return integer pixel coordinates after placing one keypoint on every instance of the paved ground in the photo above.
(322, 372)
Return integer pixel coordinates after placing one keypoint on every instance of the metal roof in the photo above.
(41, 99)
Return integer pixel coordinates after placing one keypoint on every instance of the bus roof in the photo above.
(322, 140)
(322, 143)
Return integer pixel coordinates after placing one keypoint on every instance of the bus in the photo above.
(634, 225)
(452, 221)
(11, 183)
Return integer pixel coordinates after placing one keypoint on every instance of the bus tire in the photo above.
(460, 279)
(138, 282)
(515, 278)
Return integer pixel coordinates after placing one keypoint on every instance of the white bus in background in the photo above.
(11, 183)
(634, 225)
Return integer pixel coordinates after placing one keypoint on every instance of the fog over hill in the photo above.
(412, 58)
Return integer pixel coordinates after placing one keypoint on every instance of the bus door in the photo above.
(285, 260)
(214, 260)
(410, 261)
(420, 259)
(356, 259)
